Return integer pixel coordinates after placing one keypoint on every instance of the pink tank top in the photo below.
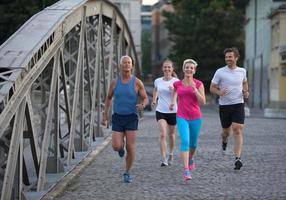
(188, 105)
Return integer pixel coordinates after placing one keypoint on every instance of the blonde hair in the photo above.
(189, 61)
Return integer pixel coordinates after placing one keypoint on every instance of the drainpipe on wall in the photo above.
(255, 52)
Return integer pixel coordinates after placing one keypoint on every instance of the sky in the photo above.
(149, 2)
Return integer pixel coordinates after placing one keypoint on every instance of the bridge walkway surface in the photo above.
(263, 175)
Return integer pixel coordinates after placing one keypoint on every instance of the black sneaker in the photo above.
(127, 178)
(238, 164)
(121, 152)
(224, 146)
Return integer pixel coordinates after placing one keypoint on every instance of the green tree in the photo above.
(202, 29)
(146, 52)
(14, 13)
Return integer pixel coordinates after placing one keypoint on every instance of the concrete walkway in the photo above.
(263, 175)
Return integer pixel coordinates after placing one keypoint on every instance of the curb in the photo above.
(66, 180)
(275, 113)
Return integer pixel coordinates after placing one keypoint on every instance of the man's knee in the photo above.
(116, 147)
(225, 132)
(130, 147)
(237, 128)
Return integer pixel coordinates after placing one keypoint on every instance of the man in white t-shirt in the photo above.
(230, 84)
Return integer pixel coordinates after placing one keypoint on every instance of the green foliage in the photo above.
(202, 29)
(14, 13)
(146, 52)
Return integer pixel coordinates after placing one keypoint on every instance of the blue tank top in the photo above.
(125, 97)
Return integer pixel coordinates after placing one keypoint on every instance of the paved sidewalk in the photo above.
(263, 175)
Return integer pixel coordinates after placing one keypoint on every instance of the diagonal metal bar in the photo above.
(119, 47)
(31, 127)
(111, 51)
(21, 158)
(96, 78)
(57, 120)
(87, 62)
(89, 87)
(66, 90)
(13, 152)
(48, 125)
(111, 57)
(81, 106)
(100, 67)
(76, 89)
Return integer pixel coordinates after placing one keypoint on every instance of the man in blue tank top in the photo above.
(125, 89)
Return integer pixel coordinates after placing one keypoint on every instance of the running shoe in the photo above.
(187, 174)
(127, 178)
(224, 146)
(121, 152)
(170, 159)
(164, 163)
(192, 166)
(237, 164)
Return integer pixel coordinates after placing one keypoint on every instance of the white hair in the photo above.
(123, 57)
(189, 61)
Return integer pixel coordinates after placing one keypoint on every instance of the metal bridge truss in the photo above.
(54, 74)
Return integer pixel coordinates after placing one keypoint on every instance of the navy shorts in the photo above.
(122, 123)
(169, 117)
(231, 113)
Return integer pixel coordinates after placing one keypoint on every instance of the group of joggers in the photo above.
(177, 105)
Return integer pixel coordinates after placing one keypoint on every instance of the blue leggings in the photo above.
(189, 131)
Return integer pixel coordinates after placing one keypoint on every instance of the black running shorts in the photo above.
(231, 113)
(169, 117)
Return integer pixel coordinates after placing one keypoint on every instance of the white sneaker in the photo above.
(170, 159)
(164, 163)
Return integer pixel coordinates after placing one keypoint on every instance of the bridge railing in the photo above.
(54, 74)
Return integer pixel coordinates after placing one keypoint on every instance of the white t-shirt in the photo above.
(164, 95)
(232, 79)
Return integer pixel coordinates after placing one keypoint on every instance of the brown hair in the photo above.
(172, 63)
(232, 49)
